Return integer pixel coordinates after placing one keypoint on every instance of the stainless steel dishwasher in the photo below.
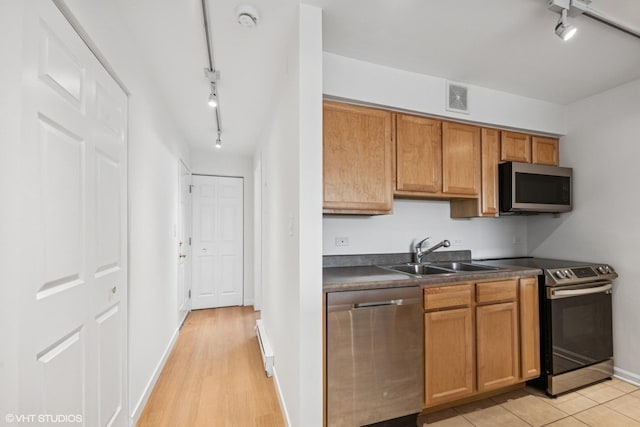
(375, 356)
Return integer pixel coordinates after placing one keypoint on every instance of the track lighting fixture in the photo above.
(212, 74)
(564, 30)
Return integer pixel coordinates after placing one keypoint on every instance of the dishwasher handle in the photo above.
(378, 303)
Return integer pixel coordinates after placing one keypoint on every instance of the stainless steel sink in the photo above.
(463, 266)
(440, 268)
(419, 269)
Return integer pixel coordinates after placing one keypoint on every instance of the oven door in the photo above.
(580, 320)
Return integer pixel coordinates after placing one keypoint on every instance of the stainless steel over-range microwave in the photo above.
(526, 188)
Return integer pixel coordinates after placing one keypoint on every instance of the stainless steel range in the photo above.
(576, 338)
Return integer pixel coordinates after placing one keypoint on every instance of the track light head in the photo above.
(218, 142)
(564, 30)
(213, 101)
(213, 97)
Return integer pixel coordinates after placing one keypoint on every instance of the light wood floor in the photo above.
(214, 376)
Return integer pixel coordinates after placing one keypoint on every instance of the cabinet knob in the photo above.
(114, 290)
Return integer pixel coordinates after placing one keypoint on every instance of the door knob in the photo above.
(183, 255)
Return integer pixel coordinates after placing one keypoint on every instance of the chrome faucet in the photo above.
(420, 254)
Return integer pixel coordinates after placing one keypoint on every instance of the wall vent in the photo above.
(265, 348)
(457, 98)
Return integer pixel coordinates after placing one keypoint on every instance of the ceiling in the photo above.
(506, 45)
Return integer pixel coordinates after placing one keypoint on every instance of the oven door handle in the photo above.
(566, 293)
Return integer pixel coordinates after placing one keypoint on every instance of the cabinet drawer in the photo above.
(504, 290)
(447, 296)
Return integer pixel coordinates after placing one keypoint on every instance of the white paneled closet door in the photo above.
(217, 241)
(74, 296)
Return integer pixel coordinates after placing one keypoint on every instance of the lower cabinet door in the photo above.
(497, 345)
(449, 363)
(529, 329)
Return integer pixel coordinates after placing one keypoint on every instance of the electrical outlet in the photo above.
(516, 240)
(457, 243)
(342, 241)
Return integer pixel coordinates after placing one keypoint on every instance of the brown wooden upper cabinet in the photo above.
(490, 160)
(436, 159)
(544, 150)
(515, 147)
(357, 159)
(418, 155)
(487, 204)
(460, 159)
(520, 147)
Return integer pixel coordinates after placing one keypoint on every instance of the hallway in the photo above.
(214, 376)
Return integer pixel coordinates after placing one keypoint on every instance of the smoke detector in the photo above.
(247, 16)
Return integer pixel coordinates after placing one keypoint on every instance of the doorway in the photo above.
(184, 244)
(217, 244)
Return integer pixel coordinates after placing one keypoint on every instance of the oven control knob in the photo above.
(567, 273)
(602, 270)
(607, 269)
(560, 274)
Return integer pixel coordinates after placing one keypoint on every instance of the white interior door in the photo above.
(184, 244)
(217, 241)
(74, 296)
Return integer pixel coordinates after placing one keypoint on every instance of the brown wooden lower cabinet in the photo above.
(529, 336)
(448, 355)
(480, 340)
(497, 344)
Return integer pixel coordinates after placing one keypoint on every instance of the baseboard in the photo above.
(181, 321)
(283, 407)
(248, 301)
(627, 376)
(135, 415)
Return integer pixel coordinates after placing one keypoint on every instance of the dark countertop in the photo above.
(363, 277)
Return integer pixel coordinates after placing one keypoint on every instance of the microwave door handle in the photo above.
(565, 293)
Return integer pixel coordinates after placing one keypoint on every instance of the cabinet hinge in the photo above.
(189, 241)
(189, 293)
(191, 188)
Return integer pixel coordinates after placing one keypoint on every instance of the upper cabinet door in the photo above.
(460, 159)
(544, 150)
(357, 161)
(418, 154)
(516, 147)
(490, 160)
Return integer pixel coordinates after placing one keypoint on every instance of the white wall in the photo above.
(363, 81)
(310, 225)
(280, 246)
(413, 220)
(602, 147)
(11, 13)
(222, 164)
(155, 146)
(291, 155)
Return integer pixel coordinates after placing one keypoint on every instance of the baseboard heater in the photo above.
(265, 347)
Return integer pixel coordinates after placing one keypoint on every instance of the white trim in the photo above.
(283, 407)
(93, 47)
(135, 415)
(248, 301)
(627, 376)
(181, 321)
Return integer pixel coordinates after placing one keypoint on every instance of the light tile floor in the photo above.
(612, 403)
